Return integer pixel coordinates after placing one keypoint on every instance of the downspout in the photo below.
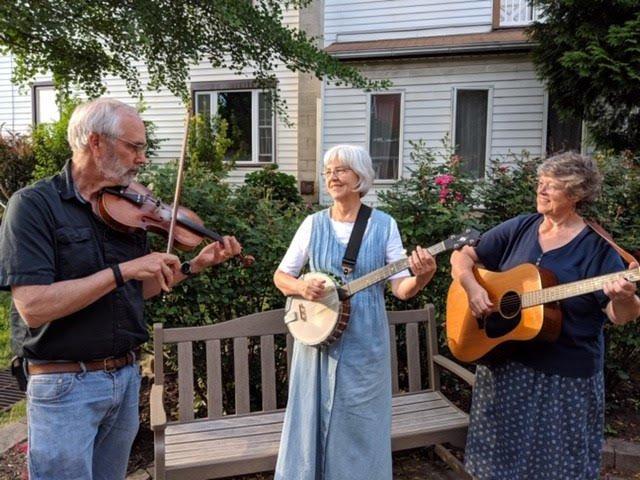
(13, 103)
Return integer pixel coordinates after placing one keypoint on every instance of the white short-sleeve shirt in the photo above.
(298, 253)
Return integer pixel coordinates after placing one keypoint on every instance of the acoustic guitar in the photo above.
(323, 321)
(526, 301)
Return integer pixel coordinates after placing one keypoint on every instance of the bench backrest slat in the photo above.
(241, 374)
(432, 345)
(185, 381)
(265, 325)
(394, 359)
(214, 379)
(413, 357)
(268, 372)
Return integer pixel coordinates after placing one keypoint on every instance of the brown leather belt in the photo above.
(107, 364)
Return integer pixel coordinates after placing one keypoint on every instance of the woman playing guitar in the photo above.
(540, 414)
(338, 420)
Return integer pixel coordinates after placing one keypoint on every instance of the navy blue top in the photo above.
(49, 234)
(579, 352)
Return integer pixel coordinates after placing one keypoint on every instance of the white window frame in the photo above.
(489, 134)
(255, 119)
(35, 104)
(387, 181)
(584, 144)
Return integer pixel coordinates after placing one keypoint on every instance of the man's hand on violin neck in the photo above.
(160, 267)
(216, 253)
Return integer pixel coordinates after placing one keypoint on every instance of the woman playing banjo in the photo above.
(338, 419)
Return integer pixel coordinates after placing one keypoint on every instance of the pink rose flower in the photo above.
(444, 180)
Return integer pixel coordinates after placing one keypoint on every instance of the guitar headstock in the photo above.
(469, 237)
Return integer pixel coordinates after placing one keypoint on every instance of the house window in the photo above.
(384, 134)
(470, 135)
(563, 134)
(45, 109)
(250, 117)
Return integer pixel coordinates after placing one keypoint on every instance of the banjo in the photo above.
(322, 322)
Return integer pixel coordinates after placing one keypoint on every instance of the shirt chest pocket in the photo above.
(77, 252)
(120, 247)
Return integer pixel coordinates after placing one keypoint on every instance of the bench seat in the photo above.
(246, 442)
(249, 443)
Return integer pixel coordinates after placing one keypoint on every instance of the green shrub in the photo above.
(50, 144)
(508, 190)
(208, 144)
(432, 203)
(268, 182)
(16, 164)
(227, 291)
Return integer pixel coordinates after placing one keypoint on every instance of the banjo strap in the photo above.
(355, 240)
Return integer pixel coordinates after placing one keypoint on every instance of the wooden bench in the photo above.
(247, 441)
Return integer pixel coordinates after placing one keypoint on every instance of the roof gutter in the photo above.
(433, 50)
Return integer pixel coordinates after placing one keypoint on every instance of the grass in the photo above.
(18, 411)
(15, 413)
(5, 330)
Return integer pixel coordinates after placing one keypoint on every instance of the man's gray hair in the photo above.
(579, 174)
(358, 160)
(102, 116)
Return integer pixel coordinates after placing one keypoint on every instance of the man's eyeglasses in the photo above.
(139, 148)
(338, 172)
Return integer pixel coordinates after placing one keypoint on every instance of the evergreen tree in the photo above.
(588, 53)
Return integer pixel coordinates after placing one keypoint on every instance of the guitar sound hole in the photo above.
(502, 322)
(510, 304)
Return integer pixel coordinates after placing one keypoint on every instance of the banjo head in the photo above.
(313, 322)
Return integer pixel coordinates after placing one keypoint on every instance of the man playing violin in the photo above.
(78, 288)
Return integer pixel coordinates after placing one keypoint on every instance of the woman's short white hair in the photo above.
(358, 160)
(101, 116)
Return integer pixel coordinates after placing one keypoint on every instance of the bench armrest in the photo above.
(158, 415)
(453, 367)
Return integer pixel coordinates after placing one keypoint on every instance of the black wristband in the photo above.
(118, 274)
(185, 268)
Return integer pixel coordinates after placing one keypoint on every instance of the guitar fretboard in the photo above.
(385, 272)
(573, 289)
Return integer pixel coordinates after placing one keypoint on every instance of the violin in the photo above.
(132, 208)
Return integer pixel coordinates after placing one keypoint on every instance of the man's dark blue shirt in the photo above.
(49, 234)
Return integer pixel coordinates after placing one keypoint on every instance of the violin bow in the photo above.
(179, 180)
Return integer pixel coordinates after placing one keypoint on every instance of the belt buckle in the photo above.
(107, 369)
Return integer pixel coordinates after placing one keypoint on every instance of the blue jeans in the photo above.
(82, 425)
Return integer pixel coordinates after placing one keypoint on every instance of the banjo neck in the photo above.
(382, 273)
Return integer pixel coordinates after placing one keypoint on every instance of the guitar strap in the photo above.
(355, 240)
(607, 236)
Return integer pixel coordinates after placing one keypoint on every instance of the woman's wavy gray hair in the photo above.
(358, 160)
(101, 116)
(580, 175)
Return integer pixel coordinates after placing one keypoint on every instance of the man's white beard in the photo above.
(112, 170)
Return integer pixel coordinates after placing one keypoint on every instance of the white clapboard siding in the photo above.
(166, 111)
(362, 20)
(516, 104)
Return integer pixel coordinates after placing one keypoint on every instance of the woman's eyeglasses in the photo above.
(338, 172)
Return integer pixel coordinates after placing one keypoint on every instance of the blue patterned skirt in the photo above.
(526, 424)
